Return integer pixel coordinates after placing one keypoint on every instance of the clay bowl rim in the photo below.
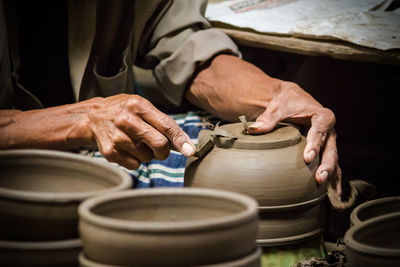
(41, 245)
(355, 220)
(250, 211)
(58, 197)
(256, 254)
(369, 249)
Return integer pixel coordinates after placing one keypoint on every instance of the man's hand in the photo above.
(293, 104)
(127, 129)
(231, 87)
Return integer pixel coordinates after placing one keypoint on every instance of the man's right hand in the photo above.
(127, 129)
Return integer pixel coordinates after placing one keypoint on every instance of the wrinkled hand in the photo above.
(129, 130)
(293, 104)
(230, 87)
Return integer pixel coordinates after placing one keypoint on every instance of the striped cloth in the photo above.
(169, 172)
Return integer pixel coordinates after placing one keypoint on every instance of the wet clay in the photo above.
(40, 191)
(271, 169)
(168, 227)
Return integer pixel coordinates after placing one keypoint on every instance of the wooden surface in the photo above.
(335, 49)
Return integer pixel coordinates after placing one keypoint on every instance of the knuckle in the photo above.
(329, 116)
(121, 119)
(275, 112)
(160, 143)
(167, 123)
(110, 153)
(119, 140)
(288, 85)
(137, 104)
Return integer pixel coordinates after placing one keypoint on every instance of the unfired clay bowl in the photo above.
(168, 227)
(62, 253)
(374, 208)
(270, 168)
(251, 260)
(374, 242)
(40, 191)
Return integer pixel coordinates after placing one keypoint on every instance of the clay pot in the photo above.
(251, 260)
(40, 191)
(168, 227)
(63, 253)
(374, 242)
(270, 168)
(291, 224)
(374, 208)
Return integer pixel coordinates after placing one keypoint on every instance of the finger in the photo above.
(122, 158)
(144, 133)
(138, 150)
(267, 120)
(111, 154)
(321, 123)
(107, 146)
(169, 128)
(329, 159)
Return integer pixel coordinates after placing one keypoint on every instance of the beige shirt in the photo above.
(160, 44)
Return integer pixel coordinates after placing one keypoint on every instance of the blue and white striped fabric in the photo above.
(169, 172)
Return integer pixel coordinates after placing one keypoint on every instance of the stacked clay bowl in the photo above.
(374, 208)
(374, 236)
(40, 192)
(270, 168)
(169, 227)
(374, 242)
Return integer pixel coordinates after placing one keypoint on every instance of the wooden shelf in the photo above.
(314, 47)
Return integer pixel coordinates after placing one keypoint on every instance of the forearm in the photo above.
(221, 89)
(63, 127)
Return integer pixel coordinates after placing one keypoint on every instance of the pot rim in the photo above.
(355, 219)
(369, 249)
(41, 245)
(253, 256)
(304, 204)
(249, 213)
(52, 198)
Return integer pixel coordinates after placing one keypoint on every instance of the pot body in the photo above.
(291, 225)
(63, 253)
(177, 227)
(40, 191)
(251, 260)
(375, 242)
(284, 186)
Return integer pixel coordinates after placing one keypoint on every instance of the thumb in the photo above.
(265, 122)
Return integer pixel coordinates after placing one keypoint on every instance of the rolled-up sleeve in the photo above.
(181, 42)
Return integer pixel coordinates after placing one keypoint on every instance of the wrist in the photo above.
(230, 87)
(81, 133)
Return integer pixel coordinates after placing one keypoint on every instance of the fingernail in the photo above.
(310, 155)
(187, 149)
(323, 175)
(256, 125)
